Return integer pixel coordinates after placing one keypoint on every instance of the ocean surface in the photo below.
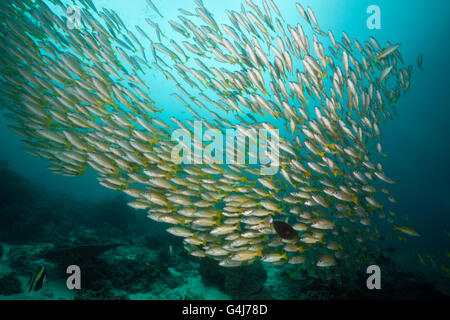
(40, 210)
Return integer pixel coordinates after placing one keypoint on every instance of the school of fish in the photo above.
(78, 97)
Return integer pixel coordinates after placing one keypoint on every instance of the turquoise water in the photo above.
(417, 141)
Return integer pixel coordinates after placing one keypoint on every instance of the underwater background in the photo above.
(125, 255)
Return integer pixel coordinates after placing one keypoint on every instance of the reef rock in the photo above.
(10, 285)
(78, 252)
(246, 282)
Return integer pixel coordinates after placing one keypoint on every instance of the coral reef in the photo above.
(396, 284)
(124, 255)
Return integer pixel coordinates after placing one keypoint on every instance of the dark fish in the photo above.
(37, 280)
(284, 230)
(420, 62)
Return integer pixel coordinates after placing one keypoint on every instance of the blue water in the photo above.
(417, 141)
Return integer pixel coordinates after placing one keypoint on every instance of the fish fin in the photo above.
(259, 253)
